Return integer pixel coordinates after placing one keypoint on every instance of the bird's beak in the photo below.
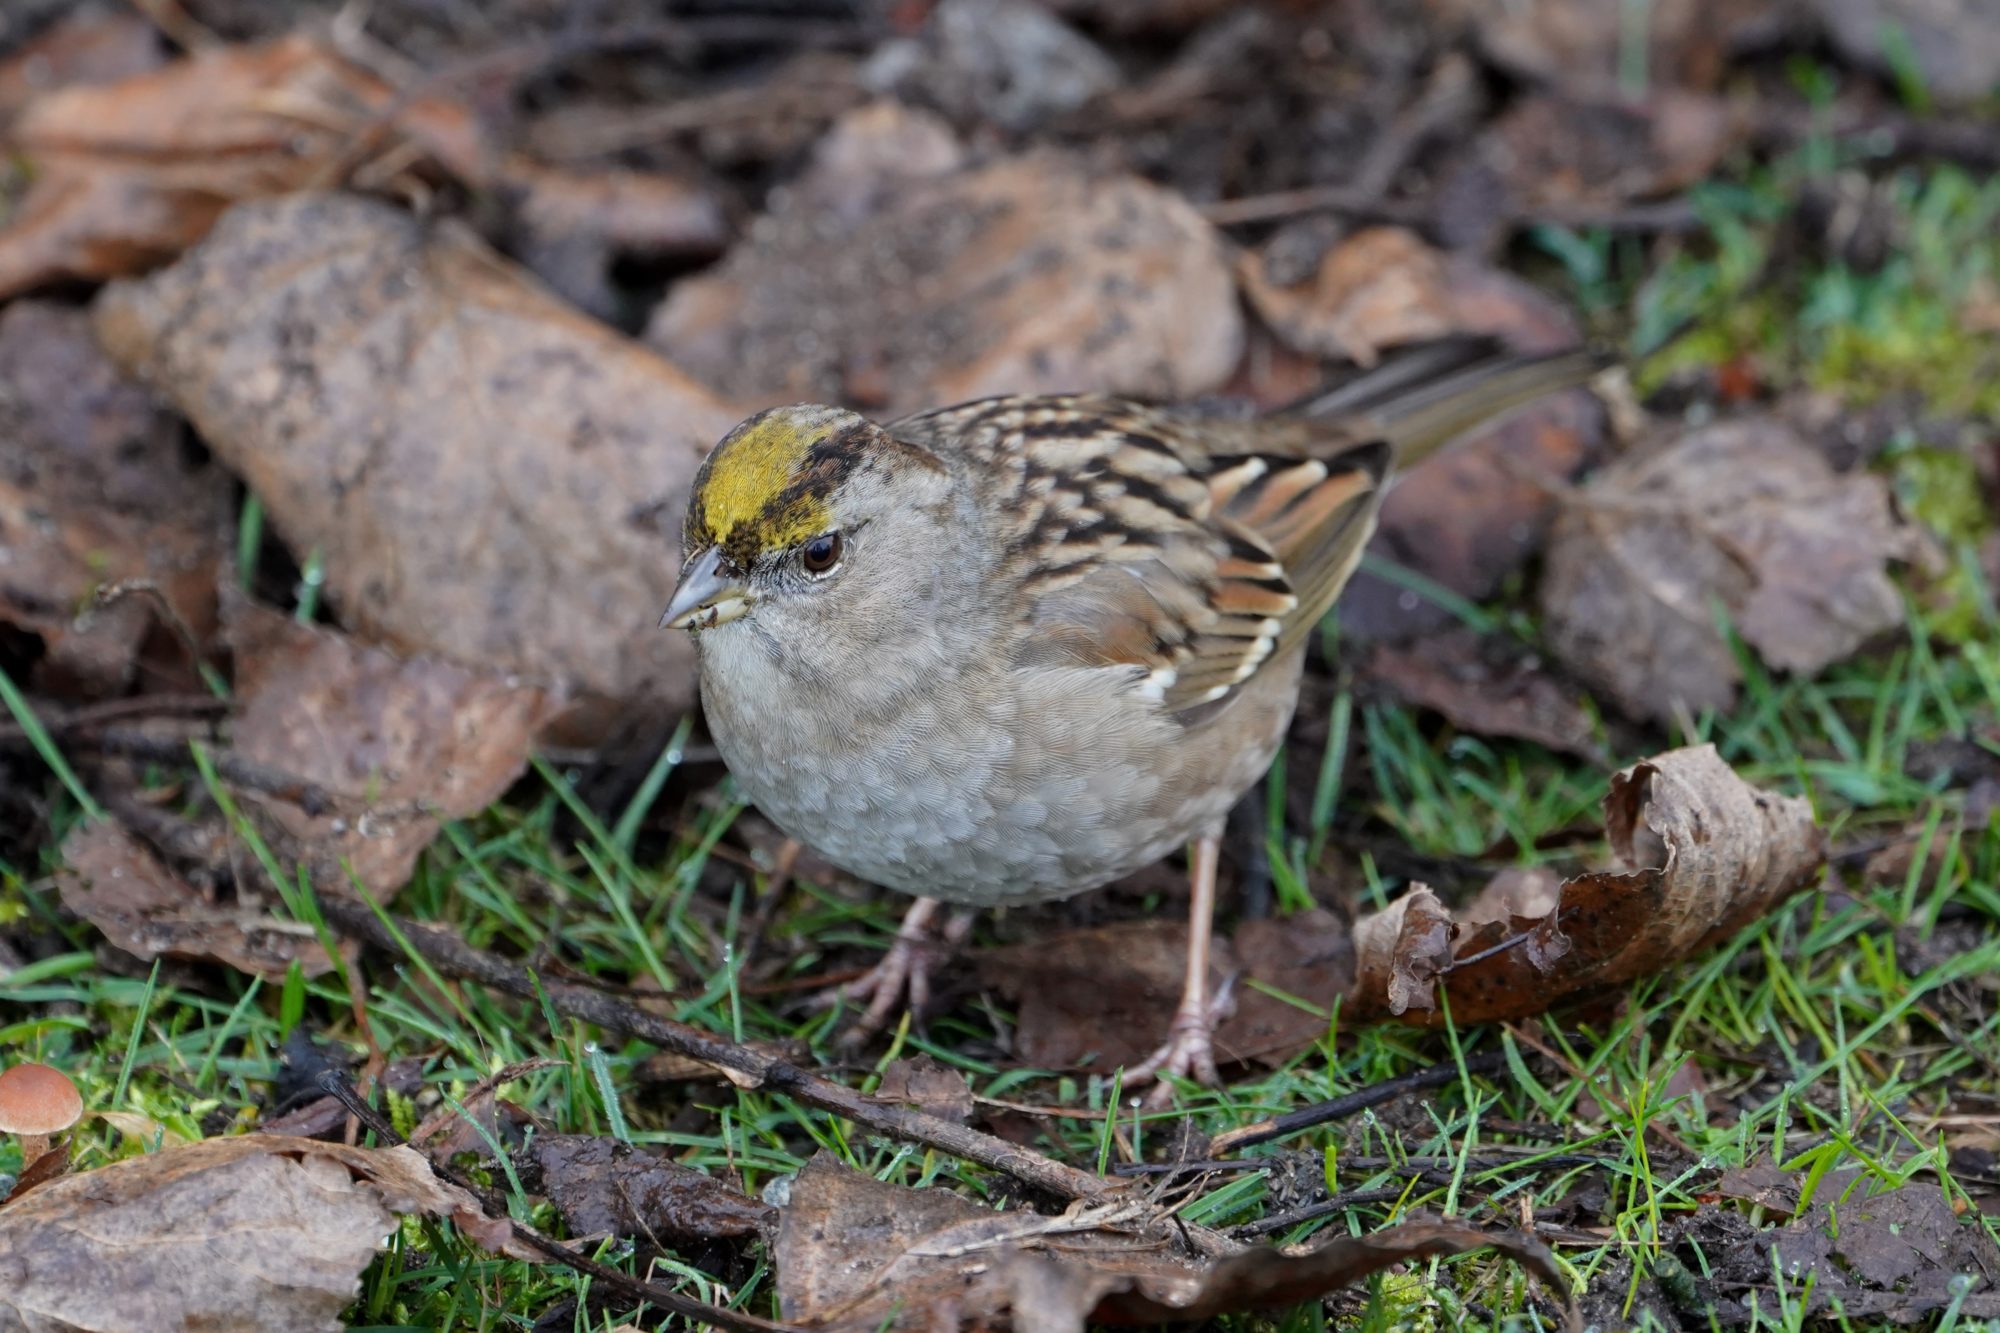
(707, 596)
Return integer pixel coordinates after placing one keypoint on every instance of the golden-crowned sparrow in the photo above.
(1015, 649)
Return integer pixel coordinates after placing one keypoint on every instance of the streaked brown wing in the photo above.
(1139, 548)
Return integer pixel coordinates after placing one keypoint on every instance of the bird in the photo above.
(1013, 649)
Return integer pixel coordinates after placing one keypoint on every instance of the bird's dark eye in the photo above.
(821, 553)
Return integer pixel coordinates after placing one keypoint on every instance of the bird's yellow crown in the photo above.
(766, 485)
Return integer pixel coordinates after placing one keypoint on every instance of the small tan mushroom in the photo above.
(35, 1102)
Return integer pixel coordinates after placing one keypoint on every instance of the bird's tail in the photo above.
(1423, 396)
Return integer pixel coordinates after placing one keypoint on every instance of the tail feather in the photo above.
(1423, 397)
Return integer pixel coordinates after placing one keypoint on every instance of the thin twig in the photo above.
(1264, 1226)
(1277, 1127)
(740, 1064)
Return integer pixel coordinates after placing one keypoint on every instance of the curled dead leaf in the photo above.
(1700, 854)
(250, 1232)
(493, 478)
(128, 174)
(1742, 515)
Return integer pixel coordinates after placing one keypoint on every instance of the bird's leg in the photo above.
(1189, 1051)
(904, 974)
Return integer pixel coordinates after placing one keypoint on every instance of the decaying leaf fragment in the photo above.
(112, 881)
(1701, 853)
(95, 495)
(855, 1253)
(492, 478)
(607, 1188)
(1743, 516)
(256, 1231)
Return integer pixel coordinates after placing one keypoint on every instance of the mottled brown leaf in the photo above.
(1032, 274)
(1105, 994)
(1700, 854)
(96, 494)
(248, 1232)
(1742, 515)
(92, 46)
(492, 478)
(1010, 62)
(400, 743)
(855, 1253)
(112, 881)
(606, 1188)
(1886, 1253)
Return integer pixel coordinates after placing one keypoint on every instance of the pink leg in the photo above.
(1189, 1051)
(903, 977)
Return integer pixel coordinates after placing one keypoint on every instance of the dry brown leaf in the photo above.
(1744, 515)
(1954, 45)
(606, 1188)
(571, 226)
(128, 174)
(112, 881)
(1589, 46)
(922, 1082)
(492, 478)
(1700, 854)
(1374, 289)
(855, 1253)
(1025, 276)
(1562, 159)
(400, 743)
(1105, 994)
(870, 154)
(95, 494)
(249, 1232)
(1487, 687)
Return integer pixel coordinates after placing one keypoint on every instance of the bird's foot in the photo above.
(1188, 1052)
(903, 978)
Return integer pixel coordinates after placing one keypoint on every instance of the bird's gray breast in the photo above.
(1028, 786)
